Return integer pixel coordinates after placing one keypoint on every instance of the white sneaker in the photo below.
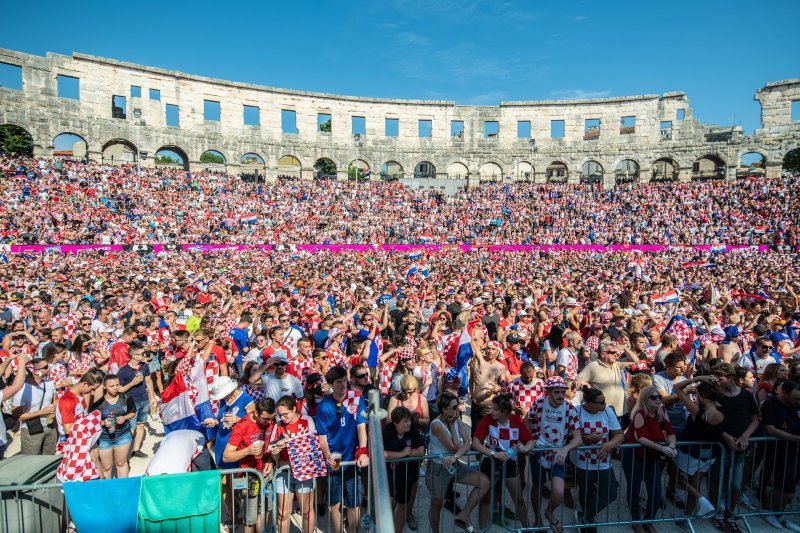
(772, 520)
(788, 525)
(704, 507)
(744, 500)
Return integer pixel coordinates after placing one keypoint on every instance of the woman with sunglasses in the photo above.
(597, 484)
(411, 399)
(287, 486)
(650, 428)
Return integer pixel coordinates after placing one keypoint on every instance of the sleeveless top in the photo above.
(435, 446)
(698, 429)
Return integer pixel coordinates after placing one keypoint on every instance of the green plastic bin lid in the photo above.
(28, 469)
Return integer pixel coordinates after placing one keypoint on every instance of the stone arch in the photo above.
(525, 171)
(557, 172)
(425, 170)
(791, 161)
(626, 171)
(252, 167)
(664, 169)
(289, 167)
(15, 135)
(751, 163)
(119, 152)
(171, 156)
(592, 172)
(457, 171)
(491, 171)
(324, 168)
(69, 144)
(359, 169)
(710, 166)
(391, 171)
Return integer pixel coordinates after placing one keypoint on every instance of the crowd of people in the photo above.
(525, 377)
(71, 202)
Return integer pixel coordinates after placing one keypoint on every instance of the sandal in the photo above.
(463, 525)
(555, 525)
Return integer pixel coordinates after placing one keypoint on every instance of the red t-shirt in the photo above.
(69, 408)
(511, 362)
(219, 354)
(244, 433)
(645, 426)
(502, 437)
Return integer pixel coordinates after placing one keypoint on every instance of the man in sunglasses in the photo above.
(35, 408)
(277, 381)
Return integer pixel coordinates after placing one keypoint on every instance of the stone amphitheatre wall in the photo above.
(664, 129)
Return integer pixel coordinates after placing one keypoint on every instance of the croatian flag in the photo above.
(458, 357)
(422, 269)
(718, 249)
(202, 402)
(684, 330)
(415, 255)
(249, 218)
(177, 408)
(305, 457)
(411, 270)
(669, 297)
(368, 173)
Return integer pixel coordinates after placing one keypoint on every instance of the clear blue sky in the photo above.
(473, 52)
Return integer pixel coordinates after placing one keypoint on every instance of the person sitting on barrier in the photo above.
(342, 430)
(451, 438)
(246, 448)
(291, 424)
(703, 424)
(553, 422)
(500, 436)
(650, 428)
(597, 483)
(780, 419)
(401, 440)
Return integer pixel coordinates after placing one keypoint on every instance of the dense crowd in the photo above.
(71, 202)
(518, 357)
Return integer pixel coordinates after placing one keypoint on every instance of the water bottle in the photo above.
(452, 468)
(512, 453)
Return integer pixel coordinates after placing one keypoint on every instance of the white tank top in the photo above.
(435, 446)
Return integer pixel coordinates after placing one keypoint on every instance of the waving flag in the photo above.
(458, 355)
(415, 255)
(177, 407)
(718, 249)
(411, 270)
(669, 297)
(201, 400)
(249, 218)
(422, 268)
(305, 457)
(684, 330)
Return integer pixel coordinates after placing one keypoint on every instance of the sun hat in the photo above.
(222, 387)
(555, 382)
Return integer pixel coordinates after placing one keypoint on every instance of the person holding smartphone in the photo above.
(133, 383)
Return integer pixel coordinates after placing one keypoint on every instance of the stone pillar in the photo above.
(574, 177)
(341, 175)
(685, 174)
(307, 174)
(644, 175)
(608, 181)
(774, 170)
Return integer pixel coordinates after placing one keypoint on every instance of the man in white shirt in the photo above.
(10, 391)
(36, 400)
(279, 383)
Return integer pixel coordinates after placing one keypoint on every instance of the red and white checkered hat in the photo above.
(555, 382)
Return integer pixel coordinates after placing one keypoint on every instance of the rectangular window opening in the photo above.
(591, 129)
(211, 111)
(795, 112)
(324, 122)
(136, 91)
(119, 107)
(491, 129)
(392, 127)
(69, 87)
(251, 115)
(680, 114)
(524, 129)
(289, 121)
(425, 128)
(457, 129)
(172, 115)
(666, 129)
(358, 125)
(155, 94)
(11, 76)
(627, 125)
(556, 129)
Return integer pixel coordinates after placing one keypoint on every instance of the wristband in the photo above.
(361, 451)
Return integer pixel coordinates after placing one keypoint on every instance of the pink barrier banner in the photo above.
(362, 248)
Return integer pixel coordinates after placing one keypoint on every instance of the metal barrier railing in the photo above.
(380, 510)
(43, 508)
(762, 482)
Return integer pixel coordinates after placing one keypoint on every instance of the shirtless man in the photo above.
(488, 376)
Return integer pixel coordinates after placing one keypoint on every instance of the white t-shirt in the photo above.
(175, 453)
(602, 422)
(34, 398)
(277, 388)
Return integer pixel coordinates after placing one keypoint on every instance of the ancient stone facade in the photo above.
(636, 137)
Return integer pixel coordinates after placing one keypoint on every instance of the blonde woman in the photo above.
(411, 399)
(650, 428)
(637, 383)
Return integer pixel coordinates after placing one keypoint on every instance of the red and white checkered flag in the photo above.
(76, 463)
(306, 458)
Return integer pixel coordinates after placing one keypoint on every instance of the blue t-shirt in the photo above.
(126, 374)
(340, 429)
(239, 337)
(238, 408)
(372, 358)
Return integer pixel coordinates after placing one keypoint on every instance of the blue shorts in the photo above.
(344, 480)
(121, 438)
(142, 412)
(539, 473)
(285, 483)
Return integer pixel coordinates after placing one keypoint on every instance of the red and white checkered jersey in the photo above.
(569, 360)
(602, 422)
(524, 395)
(501, 437)
(552, 426)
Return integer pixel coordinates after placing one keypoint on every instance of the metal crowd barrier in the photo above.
(761, 483)
(42, 508)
